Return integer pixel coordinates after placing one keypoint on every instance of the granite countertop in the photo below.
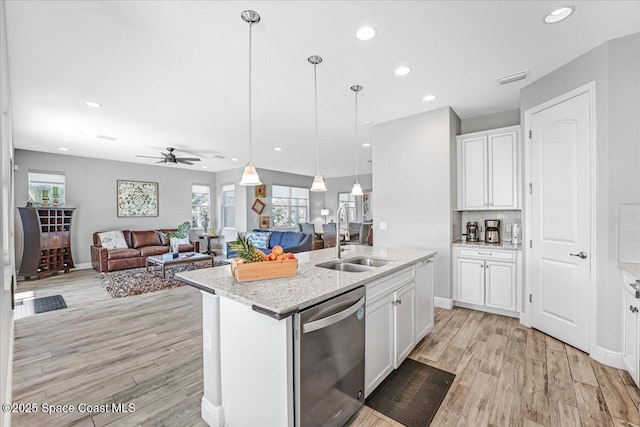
(482, 245)
(280, 298)
(631, 268)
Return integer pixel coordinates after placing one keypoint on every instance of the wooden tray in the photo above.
(245, 272)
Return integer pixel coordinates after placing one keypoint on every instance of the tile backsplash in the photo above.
(506, 218)
(629, 233)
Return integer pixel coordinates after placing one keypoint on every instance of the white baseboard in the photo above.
(524, 320)
(607, 357)
(443, 302)
(212, 414)
(83, 266)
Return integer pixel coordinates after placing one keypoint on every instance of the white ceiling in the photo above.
(174, 73)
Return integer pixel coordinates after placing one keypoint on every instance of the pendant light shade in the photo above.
(356, 190)
(250, 175)
(318, 181)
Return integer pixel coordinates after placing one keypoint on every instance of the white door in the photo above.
(503, 170)
(500, 288)
(379, 341)
(560, 220)
(473, 172)
(405, 322)
(630, 346)
(471, 281)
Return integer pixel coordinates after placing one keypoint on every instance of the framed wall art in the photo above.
(258, 206)
(261, 190)
(137, 198)
(264, 221)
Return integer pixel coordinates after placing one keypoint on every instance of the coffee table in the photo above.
(183, 258)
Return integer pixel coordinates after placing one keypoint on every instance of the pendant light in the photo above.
(318, 181)
(250, 175)
(357, 189)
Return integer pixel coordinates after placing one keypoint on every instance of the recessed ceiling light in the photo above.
(402, 71)
(429, 98)
(63, 149)
(278, 149)
(366, 144)
(559, 14)
(235, 159)
(365, 33)
(368, 122)
(203, 167)
(93, 104)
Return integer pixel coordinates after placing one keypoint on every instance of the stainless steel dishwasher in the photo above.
(329, 360)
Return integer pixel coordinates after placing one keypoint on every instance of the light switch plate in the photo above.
(206, 337)
(382, 225)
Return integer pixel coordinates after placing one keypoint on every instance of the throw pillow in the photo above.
(260, 240)
(113, 240)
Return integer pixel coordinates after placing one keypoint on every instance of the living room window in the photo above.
(349, 202)
(229, 206)
(290, 205)
(200, 206)
(46, 188)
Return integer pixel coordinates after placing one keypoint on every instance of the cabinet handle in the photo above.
(400, 302)
(633, 309)
(485, 253)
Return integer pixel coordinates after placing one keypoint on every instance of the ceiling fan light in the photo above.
(318, 184)
(250, 176)
(356, 190)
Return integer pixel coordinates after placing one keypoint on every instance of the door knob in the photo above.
(581, 254)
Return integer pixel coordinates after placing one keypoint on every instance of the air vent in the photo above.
(513, 77)
(107, 137)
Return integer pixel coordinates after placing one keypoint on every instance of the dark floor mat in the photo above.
(412, 393)
(28, 307)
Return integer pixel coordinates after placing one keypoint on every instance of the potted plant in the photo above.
(181, 232)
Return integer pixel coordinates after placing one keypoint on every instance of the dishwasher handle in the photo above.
(334, 318)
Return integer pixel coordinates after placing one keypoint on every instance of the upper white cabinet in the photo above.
(488, 169)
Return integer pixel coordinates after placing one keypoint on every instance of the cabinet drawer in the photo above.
(388, 283)
(487, 254)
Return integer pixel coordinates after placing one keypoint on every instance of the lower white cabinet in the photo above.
(399, 310)
(631, 342)
(487, 279)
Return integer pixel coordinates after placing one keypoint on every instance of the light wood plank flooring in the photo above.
(147, 350)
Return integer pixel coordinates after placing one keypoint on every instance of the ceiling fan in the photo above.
(171, 158)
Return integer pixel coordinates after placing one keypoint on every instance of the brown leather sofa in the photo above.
(141, 244)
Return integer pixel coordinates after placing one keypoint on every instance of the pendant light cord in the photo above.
(315, 100)
(356, 133)
(250, 121)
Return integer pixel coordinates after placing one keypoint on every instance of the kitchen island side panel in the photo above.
(257, 367)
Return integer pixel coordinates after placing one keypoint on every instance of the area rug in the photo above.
(29, 307)
(135, 281)
(412, 393)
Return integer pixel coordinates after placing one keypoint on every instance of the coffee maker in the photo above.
(492, 231)
(472, 232)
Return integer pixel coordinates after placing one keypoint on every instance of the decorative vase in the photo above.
(175, 246)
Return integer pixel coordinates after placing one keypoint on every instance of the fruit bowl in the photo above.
(248, 271)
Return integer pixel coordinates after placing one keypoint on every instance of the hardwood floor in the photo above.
(147, 350)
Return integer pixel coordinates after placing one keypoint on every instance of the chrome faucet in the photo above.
(338, 212)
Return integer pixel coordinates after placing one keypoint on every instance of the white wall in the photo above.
(615, 68)
(342, 184)
(413, 176)
(490, 121)
(7, 270)
(90, 187)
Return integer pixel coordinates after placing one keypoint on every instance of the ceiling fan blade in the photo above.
(161, 161)
(183, 161)
(189, 159)
(149, 157)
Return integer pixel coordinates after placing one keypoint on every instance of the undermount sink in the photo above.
(369, 262)
(355, 265)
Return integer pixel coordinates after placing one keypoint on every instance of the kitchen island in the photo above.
(248, 334)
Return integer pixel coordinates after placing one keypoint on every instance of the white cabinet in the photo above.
(487, 279)
(424, 298)
(631, 328)
(488, 172)
(399, 309)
